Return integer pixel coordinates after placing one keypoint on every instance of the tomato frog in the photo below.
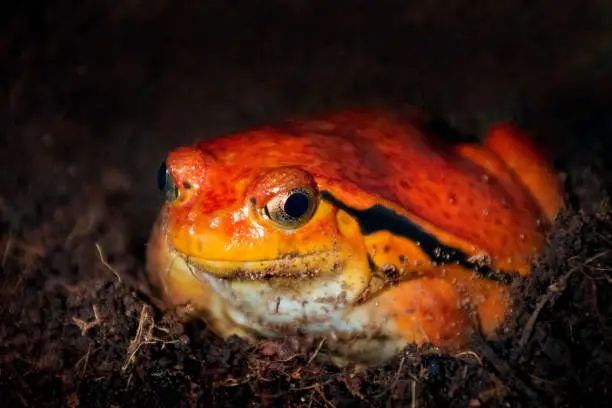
(363, 227)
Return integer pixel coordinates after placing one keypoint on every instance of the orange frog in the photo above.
(360, 226)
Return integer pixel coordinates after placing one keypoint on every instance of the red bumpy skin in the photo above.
(359, 226)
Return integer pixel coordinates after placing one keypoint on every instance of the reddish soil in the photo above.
(95, 95)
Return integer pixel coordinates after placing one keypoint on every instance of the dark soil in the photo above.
(94, 96)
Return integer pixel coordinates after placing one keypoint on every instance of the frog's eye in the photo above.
(166, 183)
(293, 208)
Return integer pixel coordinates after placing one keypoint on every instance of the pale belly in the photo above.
(251, 309)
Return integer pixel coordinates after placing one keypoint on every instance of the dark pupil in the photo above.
(296, 205)
(161, 176)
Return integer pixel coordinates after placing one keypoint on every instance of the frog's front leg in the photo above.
(437, 310)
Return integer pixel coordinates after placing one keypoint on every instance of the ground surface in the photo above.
(94, 96)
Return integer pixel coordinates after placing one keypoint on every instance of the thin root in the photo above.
(316, 352)
(83, 361)
(322, 395)
(144, 335)
(84, 325)
(469, 353)
(552, 290)
(106, 264)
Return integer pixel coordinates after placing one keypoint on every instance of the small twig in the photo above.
(398, 372)
(84, 325)
(232, 382)
(595, 257)
(399, 368)
(314, 355)
(84, 361)
(322, 395)
(141, 336)
(469, 353)
(312, 386)
(552, 290)
(286, 360)
(129, 382)
(106, 264)
(604, 238)
(502, 367)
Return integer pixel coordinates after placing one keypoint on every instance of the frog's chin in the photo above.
(302, 266)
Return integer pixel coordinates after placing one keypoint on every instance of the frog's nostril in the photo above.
(161, 176)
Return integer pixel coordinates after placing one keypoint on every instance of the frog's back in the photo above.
(373, 154)
(360, 148)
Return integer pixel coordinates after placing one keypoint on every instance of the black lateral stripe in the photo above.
(380, 218)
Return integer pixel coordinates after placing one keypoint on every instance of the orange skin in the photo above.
(370, 283)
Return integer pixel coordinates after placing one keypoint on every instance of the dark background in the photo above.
(94, 94)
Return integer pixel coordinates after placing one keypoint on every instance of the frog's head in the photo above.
(234, 215)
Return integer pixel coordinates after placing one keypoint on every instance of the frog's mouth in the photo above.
(295, 266)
